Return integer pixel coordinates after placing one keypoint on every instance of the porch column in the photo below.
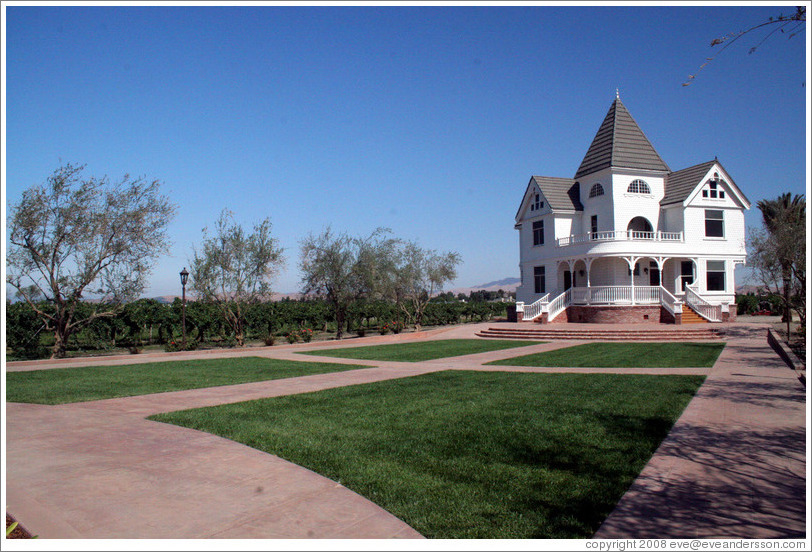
(660, 266)
(588, 263)
(632, 261)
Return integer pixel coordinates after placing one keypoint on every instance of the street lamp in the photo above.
(184, 277)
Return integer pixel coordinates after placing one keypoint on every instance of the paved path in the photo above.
(734, 464)
(100, 470)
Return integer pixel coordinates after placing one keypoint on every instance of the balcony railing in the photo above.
(620, 235)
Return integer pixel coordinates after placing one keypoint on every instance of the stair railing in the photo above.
(669, 302)
(559, 304)
(706, 310)
(534, 310)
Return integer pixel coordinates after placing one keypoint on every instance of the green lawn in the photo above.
(65, 385)
(423, 350)
(464, 454)
(624, 355)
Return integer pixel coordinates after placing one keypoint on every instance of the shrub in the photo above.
(746, 304)
(174, 346)
(384, 329)
(306, 334)
(291, 337)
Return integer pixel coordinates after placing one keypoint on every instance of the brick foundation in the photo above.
(648, 314)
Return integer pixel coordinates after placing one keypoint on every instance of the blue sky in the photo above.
(426, 120)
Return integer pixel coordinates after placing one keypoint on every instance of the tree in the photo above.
(74, 236)
(778, 251)
(419, 274)
(235, 269)
(790, 25)
(343, 269)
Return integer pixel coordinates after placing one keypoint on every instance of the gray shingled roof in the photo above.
(562, 193)
(620, 143)
(680, 184)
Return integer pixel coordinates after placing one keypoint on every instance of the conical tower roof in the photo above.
(620, 143)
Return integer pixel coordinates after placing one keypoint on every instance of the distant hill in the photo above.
(505, 284)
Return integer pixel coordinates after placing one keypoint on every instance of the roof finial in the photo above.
(617, 93)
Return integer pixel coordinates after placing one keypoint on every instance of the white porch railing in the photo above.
(620, 235)
(616, 295)
(619, 295)
(703, 308)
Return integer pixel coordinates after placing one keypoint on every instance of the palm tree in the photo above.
(784, 216)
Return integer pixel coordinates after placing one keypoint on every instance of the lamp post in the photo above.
(184, 277)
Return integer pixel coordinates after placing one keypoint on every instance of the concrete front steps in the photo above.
(604, 334)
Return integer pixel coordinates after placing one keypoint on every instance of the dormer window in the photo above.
(536, 203)
(597, 190)
(639, 187)
(713, 190)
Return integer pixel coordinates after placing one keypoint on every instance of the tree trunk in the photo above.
(787, 310)
(339, 323)
(61, 336)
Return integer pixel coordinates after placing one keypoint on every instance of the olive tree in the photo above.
(77, 236)
(343, 269)
(418, 275)
(234, 269)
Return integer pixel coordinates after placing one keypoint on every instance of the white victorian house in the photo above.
(629, 240)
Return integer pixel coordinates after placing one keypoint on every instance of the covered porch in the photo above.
(624, 279)
(632, 287)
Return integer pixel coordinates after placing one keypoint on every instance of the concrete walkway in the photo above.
(100, 470)
(734, 464)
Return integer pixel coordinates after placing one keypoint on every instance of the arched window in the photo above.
(597, 190)
(638, 187)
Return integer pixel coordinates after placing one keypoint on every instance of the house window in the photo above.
(538, 279)
(714, 223)
(639, 187)
(597, 190)
(713, 191)
(594, 226)
(536, 203)
(715, 276)
(538, 232)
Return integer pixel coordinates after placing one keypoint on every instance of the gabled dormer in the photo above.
(706, 184)
(547, 194)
